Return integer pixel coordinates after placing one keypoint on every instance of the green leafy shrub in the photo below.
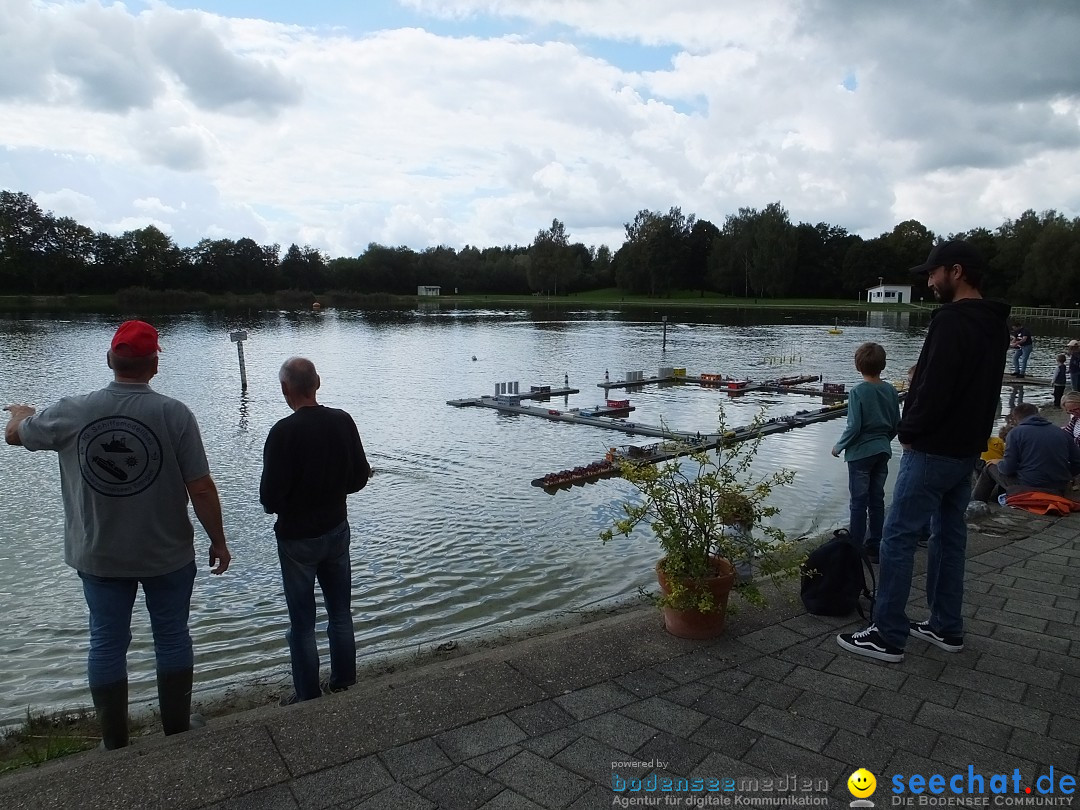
(705, 504)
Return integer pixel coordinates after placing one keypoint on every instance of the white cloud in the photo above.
(183, 147)
(213, 75)
(67, 203)
(106, 58)
(137, 224)
(152, 205)
(240, 127)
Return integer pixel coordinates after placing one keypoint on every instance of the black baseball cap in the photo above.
(955, 251)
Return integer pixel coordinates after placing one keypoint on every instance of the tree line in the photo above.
(1034, 259)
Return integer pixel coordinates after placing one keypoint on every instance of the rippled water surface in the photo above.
(449, 537)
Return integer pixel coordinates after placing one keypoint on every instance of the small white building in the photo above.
(425, 289)
(889, 294)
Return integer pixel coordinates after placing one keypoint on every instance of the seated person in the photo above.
(1070, 403)
(995, 446)
(1039, 457)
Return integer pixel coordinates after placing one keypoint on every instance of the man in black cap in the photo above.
(948, 413)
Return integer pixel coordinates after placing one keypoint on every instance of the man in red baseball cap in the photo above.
(130, 459)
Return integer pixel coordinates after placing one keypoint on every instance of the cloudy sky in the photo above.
(337, 123)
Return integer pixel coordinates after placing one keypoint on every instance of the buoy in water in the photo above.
(474, 358)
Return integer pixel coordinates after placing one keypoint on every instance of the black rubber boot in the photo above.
(174, 700)
(111, 703)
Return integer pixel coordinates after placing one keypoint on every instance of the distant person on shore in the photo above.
(130, 458)
(948, 413)
(1022, 343)
(1074, 364)
(1059, 379)
(312, 460)
(1038, 458)
(872, 418)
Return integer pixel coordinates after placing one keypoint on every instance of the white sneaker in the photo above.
(869, 643)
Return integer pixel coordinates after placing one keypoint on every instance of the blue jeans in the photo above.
(111, 600)
(1020, 359)
(938, 487)
(326, 559)
(866, 484)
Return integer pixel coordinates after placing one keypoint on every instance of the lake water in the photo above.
(449, 538)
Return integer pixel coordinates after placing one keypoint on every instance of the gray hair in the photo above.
(299, 375)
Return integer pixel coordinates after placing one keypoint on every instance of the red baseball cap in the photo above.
(135, 339)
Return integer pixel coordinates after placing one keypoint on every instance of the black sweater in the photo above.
(311, 461)
(950, 407)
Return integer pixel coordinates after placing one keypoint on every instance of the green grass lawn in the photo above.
(683, 299)
(611, 297)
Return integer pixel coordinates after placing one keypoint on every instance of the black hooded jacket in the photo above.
(950, 407)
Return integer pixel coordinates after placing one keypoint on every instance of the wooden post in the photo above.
(238, 338)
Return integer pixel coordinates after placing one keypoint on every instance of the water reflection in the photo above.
(1016, 396)
(243, 423)
(881, 319)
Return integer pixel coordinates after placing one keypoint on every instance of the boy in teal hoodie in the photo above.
(873, 417)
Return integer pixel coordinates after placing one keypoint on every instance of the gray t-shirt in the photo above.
(126, 453)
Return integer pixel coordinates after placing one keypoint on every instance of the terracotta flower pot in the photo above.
(694, 623)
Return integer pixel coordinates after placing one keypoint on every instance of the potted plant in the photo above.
(709, 513)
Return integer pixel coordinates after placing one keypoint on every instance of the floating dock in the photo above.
(1030, 381)
(733, 385)
(673, 443)
(599, 416)
(541, 393)
(683, 444)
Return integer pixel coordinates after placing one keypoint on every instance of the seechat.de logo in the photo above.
(861, 785)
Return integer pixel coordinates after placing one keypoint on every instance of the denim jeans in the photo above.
(111, 600)
(325, 559)
(937, 487)
(1020, 359)
(866, 485)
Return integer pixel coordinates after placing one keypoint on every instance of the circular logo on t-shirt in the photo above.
(119, 456)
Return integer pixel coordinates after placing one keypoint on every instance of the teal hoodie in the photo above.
(872, 419)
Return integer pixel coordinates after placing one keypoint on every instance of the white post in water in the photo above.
(664, 347)
(238, 338)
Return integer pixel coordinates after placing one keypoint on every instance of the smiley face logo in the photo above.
(861, 783)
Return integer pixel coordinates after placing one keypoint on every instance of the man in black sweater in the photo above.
(312, 460)
(948, 413)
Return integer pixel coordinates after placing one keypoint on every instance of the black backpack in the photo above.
(833, 578)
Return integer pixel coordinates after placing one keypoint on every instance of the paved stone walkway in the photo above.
(550, 722)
